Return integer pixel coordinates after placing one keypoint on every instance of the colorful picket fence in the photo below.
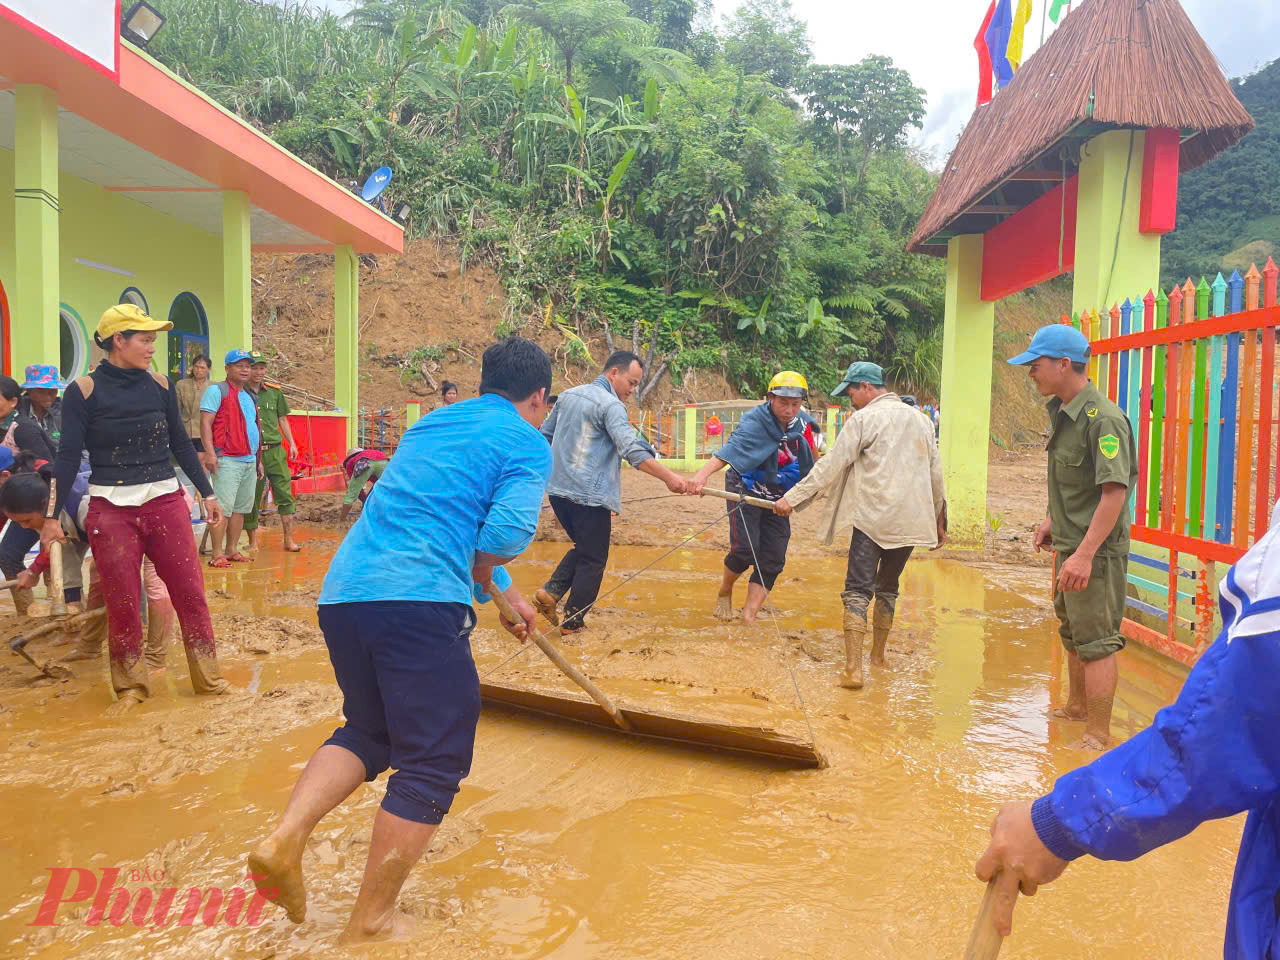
(1195, 372)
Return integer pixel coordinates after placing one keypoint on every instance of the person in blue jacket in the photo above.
(459, 499)
(1213, 753)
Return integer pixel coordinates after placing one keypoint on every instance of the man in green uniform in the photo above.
(1092, 470)
(273, 412)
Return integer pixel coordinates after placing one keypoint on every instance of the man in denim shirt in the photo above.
(590, 435)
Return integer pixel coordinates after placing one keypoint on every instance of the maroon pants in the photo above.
(161, 530)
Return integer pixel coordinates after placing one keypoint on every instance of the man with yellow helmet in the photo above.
(766, 455)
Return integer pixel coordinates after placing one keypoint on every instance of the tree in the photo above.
(572, 24)
(764, 37)
(673, 18)
(872, 100)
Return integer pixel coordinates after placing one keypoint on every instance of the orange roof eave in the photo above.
(156, 110)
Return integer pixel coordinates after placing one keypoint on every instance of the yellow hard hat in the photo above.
(788, 383)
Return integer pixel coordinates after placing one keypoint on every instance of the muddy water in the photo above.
(569, 843)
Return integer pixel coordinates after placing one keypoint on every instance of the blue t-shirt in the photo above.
(212, 400)
(468, 478)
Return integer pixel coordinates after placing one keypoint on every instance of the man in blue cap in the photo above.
(1092, 469)
(231, 434)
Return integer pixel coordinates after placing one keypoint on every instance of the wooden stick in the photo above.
(556, 657)
(985, 941)
(739, 498)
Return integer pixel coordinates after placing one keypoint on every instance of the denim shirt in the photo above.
(589, 432)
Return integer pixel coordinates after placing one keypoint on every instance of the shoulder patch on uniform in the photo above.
(1091, 412)
(1109, 445)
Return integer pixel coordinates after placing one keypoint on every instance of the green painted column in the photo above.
(237, 296)
(34, 331)
(691, 437)
(832, 413)
(1112, 257)
(967, 333)
(346, 364)
(412, 414)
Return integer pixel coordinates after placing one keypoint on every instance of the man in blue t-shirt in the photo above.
(232, 439)
(459, 499)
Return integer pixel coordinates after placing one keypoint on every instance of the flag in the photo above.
(997, 38)
(1055, 8)
(1020, 18)
(984, 57)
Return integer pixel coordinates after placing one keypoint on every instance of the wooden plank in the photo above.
(1035, 174)
(1213, 437)
(1171, 648)
(1173, 381)
(657, 725)
(1222, 552)
(1230, 406)
(1262, 503)
(1231, 323)
(1143, 433)
(1198, 424)
(1160, 362)
(1112, 367)
(1095, 334)
(1244, 448)
(1133, 405)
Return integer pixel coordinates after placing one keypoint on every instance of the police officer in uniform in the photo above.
(1092, 471)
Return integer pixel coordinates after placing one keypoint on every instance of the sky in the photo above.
(933, 41)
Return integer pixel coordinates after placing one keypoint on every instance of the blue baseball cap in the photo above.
(235, 356)
(1056, 340)
(6, 458)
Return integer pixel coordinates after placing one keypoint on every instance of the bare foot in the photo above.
(396, 926)
(126, 703)
(220, 686)
(724, 607)
(1091, 741)
(1068, 713)
(545, 604)
(292, 548)
(877, 660)
(851, 681)
(749, 615)
(279, 877)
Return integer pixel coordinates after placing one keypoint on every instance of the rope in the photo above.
(526, 647)
(804, 711)
(665, 496)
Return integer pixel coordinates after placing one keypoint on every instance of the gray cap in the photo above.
(864, 371)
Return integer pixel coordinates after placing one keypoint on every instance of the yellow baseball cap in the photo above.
(128, 316)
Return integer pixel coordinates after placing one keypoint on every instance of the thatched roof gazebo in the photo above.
(1073, 167)
(1112, 64)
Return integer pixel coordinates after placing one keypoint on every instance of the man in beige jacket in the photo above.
(885, 481)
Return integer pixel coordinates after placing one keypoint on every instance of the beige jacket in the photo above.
(883, 476)
(189, 394)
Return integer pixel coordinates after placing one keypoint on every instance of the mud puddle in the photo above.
(565, 842)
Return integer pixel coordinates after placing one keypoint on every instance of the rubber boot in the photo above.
(881, 624)
(546, 603)
(855, 632)
(129, 677)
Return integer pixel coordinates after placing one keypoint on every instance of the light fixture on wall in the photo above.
(141, 23)
(401, 215)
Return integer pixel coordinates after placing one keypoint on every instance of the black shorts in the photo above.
(411, 697)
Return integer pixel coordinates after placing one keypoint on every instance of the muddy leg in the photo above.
(724, 598)
(287, 524)
(22, 600)
(398, 844)
(756, 596)
(882, 623)
(331, 775)
(1100, 678)
(1075, 706)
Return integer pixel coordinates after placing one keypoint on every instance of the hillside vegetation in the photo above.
(629, 169)
(1229, 209)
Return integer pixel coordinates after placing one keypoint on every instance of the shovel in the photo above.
(556, 657)
(52, 670)
(984, 941)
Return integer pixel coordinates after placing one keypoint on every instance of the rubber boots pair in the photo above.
(155, 649)
(855, 634)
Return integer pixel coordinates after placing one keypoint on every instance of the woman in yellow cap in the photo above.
(766, 454)
(127, 419)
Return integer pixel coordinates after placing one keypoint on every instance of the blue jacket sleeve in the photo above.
(1213, 753)
(501, 581)
(512, 519)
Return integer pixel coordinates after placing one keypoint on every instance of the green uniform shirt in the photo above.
(1091, 444)
(271, 407)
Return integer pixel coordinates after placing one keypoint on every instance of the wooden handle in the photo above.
(57, 597)
(984, 941)
(556, 657)
(739, 497)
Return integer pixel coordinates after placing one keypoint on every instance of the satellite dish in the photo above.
(376, 183)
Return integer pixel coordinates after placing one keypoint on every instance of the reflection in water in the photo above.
(569, 843)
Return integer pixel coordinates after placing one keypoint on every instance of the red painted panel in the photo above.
(1159, 211)
(322, 444)
(1023, 250)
